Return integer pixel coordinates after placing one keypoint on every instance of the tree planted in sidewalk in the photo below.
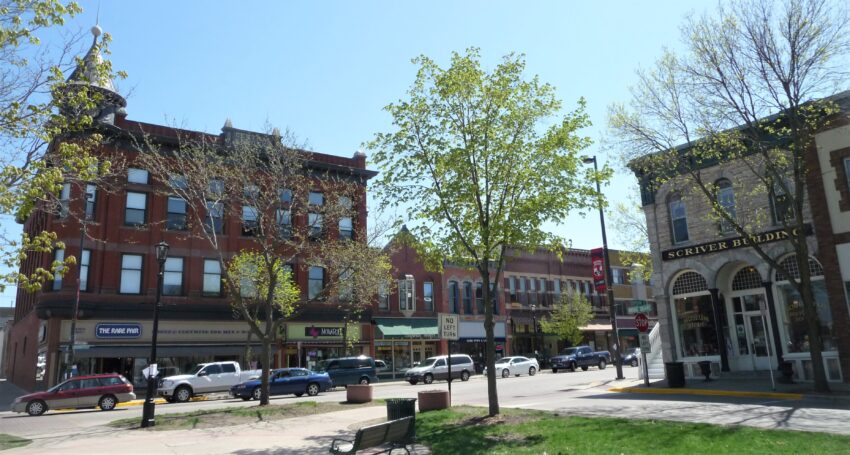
(748, 90)
(572, 312)
(481, 161)
(286, 203)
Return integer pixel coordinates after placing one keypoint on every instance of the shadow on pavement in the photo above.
(809, 403)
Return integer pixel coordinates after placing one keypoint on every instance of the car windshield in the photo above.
(56, 387)
(197, 369)
(428, 362)
(569, 351)
(504, 360)
(630, 351)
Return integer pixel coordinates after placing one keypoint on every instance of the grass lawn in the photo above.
(468, 431)
(8, 441)
(223, 417)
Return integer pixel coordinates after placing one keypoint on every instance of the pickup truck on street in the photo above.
(204, 378)
(580, 356)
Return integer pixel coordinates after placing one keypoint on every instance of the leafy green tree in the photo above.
(481, 161)
(628, 226)
(572, 312)
(748, 89)
(46, 127)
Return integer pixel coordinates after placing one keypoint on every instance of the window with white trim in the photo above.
(84, 270)
(135, 214)
(250, 220)
(58, 256)
(131, 274)
(212, 277)
(315, 282)
(384, 296)
(780, 204)
(139, 176)
(406, 294)
(64, 200)
(678, 218)
(726, 201)
(175, 219)
(91, 199)
(428, 295)
(172, 280)
(214, 220)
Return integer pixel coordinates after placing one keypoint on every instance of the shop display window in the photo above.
(696, 326)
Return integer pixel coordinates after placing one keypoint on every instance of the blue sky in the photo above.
(325, 70)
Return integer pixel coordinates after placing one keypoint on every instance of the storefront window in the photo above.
(795, 319)
(697, 330)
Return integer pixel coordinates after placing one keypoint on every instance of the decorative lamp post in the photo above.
(533, 327)
(149, 406)
(608, 275)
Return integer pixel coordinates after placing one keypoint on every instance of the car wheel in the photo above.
(634, 363)
(299, 394)
(36, 408)
(364, 381)
(107, 402)
(182, 394)
(602, 364)
(312, 389)
(171, 399)
(584, 368)
(464, 376)
(413, 382)
(429, 378)
(573, 367)
(245, 398)
(506, 373)
(554, 370)
(532, 371)
(257, 394)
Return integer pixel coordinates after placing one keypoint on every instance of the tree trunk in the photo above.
(812, 319)
(490, 345)
(264, 376)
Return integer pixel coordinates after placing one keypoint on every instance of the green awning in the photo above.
(407, 327)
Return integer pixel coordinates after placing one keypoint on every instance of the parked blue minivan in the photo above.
(349, 370)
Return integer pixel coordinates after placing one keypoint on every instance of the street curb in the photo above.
(127, 404)
(707, 392)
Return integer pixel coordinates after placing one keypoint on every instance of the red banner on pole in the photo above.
(597, 257)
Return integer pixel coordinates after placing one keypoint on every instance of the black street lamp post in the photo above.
(149, 406)
(608, 275)
(533, 327)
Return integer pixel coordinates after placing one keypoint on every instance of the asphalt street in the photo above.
(579, 393)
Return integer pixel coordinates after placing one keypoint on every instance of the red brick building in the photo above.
(406, 319)
(118, 271)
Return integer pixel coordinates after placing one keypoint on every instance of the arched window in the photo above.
(796, 334)
(678, 218)
(746, 278)
(696, 328)
(726, 201)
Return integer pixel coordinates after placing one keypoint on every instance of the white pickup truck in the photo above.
(204, 378)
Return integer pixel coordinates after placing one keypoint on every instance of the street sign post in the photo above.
(449, 330)
(642, 324)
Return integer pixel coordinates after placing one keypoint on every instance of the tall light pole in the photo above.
(533, 327)
(149, 406)
(608, 275)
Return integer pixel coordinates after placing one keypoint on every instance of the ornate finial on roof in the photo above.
(228, 123)
(96, 31)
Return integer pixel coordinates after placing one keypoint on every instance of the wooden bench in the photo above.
(399, 433)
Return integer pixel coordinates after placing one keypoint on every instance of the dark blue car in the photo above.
(284, 381)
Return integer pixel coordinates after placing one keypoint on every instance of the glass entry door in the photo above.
(753, 349)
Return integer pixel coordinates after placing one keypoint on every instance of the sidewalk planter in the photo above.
(675, 372)
(430, 400)
(357, 393)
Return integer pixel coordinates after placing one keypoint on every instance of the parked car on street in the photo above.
(349, 370)
(515, 366)
(204, 378)
(436, 368)
(284, 381)
(580, 356)
(630, 356)
(101, 390)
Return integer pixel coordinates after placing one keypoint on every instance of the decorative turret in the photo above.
(89, 74)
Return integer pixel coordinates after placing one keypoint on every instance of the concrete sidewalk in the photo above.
(733, 386)
(301, 435)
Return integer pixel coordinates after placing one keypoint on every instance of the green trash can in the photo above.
(675, 372)
(398, 408)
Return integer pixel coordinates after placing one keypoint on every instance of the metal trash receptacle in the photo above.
(675, 372)
(398, 408)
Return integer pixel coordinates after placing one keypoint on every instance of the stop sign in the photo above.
(641, 322)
